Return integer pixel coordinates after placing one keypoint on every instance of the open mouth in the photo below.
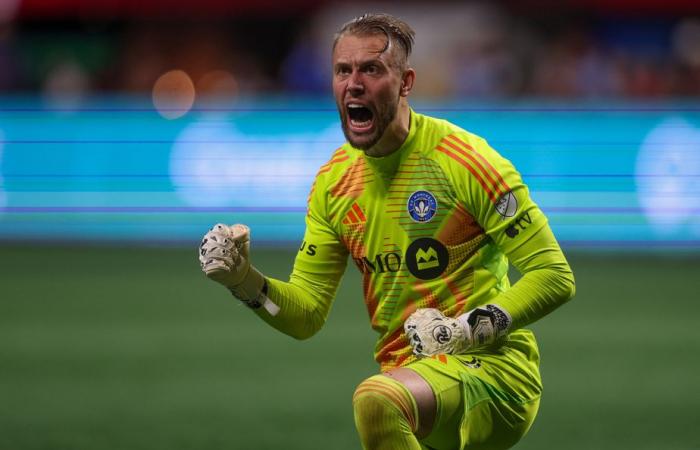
(360, 117)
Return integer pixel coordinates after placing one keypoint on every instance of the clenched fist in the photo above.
(224, 258)
(431, 333)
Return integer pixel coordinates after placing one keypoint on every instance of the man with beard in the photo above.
(431, 215)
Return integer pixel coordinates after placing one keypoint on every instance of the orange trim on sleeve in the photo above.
(340, 155)
(473, 171)
(499, 181)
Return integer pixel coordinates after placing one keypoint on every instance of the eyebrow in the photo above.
(362, 62)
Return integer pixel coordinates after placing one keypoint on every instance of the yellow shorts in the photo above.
(485, 400)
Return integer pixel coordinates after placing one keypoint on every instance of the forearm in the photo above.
(547, 281)
(304, 303)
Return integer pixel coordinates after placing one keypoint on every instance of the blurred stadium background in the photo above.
(128, 127)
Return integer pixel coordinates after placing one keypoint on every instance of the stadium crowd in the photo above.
(474, 50)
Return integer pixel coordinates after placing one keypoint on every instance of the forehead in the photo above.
(351, 48)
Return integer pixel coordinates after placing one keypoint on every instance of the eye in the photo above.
(371, 69)
(342, 70)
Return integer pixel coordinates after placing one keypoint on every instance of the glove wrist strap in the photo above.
(252, 292)
(485, 325)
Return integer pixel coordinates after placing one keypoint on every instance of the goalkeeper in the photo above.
(431, 215)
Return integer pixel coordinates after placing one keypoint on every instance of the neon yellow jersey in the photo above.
(427, 226)
(431, 225)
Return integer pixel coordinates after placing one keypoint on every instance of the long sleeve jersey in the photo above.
(432, 225)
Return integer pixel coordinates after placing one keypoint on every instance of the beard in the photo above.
(382, 119)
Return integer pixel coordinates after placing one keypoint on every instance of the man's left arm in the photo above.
(521, 230)
(501, 203)
(546, 283)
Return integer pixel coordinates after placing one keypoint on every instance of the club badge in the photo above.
(422, 206)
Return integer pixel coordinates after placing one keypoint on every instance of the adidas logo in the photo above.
(354, 215)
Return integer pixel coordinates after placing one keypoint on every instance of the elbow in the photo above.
(302, 335)
(571, 290)
(312, 326)
(561, 282)
(568, 286)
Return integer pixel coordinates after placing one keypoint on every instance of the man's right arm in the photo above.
(305, 300)
(299, 307)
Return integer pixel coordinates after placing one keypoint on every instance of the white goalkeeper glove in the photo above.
(224, 258)
(431, 333)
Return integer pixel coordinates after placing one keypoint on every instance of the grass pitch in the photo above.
(131, 348)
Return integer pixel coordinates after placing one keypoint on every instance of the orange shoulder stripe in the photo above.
(471, 156)
(326, 167)
(499, 179)
(473, 171)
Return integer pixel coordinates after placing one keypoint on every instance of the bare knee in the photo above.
(423, 396)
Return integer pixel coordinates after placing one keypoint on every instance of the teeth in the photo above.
(357, 123)
(364, 124)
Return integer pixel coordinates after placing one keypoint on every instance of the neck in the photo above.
(395, 134)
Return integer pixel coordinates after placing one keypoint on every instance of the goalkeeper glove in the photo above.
(224, 258)
(431, 333)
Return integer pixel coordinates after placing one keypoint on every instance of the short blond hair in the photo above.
(396, 30)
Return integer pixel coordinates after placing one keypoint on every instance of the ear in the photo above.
(409, 76)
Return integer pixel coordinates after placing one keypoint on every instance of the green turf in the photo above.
(105, 348)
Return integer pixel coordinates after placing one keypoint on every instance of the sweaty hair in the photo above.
(396, 30)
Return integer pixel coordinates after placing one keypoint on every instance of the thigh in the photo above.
(484, 401)
(449, 399)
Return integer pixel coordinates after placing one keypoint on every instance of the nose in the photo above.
(355, 85)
